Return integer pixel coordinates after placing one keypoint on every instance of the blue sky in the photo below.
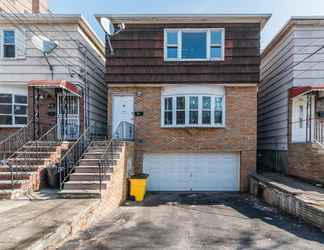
(280, 9)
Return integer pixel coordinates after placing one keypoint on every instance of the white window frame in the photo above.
(209, 45)
(200, 109)
(3, 44)
(14, 125)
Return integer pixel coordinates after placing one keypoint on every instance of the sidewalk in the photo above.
(291, 195)
(42, 223)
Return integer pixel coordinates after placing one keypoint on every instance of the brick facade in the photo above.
(306, 161)
(239, 135)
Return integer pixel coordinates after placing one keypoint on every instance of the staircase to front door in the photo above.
(88, 179)
(23, 171)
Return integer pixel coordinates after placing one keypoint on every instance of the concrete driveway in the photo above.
(197, 221)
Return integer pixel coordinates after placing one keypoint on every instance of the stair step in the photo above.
(16, 175)
(85, 185)
(90, 156)
(5, 194)
(36, 155)
(88, 177)
(39, 148)
(94, 162)
(17, 168)
(91, 169)
(79, 194)
(7, 184)
(43, 143)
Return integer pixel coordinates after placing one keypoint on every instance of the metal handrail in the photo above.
(73, 154)
(124, 131)
(50, 134)
(319, 132)
(107, 156)
(29, 164)
(15, 141)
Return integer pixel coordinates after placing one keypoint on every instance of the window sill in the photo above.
(192, 126)
(13, 126)
(194, 60)
(13, 59)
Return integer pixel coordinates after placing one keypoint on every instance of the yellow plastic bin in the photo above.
(138, 186)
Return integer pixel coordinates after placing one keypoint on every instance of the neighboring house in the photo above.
(291, 101)
(188, 86)
(78, 62)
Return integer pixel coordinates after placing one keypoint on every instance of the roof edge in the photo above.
(187, 18)
(58, 19)
(294, 20)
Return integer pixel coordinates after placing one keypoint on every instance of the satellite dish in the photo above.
(107, 25)
(44, 44)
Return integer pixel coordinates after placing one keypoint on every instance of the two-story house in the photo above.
(77, 63)
(291, 101)
(187, 86)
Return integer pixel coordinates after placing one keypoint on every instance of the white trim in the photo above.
(13, 115)
(159, 85)
(187, 18)
(208, 44)
(187, 111)
(3, 43)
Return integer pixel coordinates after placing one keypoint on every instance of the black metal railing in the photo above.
(15, 141)
(68, 162)
(27, 159)
(106, 160)
(124, 132)
(319, 131)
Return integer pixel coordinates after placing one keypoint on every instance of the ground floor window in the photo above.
(193, 111)
(13, 110)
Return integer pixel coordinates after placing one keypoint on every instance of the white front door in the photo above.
(68, 124)
(123, 111)
(192, 171)
(300, 126)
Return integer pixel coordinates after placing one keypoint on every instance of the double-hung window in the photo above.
(194, 44)
(193, 111)
(9, 44)
(13, 110)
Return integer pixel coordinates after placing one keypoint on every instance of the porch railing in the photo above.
(15, 141)
(28, 159)
(124, 132)
(319, 132)
(71, 157)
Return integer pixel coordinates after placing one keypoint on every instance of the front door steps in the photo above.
(84, 182)
(28, 165)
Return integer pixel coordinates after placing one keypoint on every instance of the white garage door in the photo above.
(192, 172)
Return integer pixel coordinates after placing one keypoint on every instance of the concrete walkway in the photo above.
(37, 224)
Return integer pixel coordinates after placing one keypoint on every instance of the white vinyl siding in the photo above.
(206, 44)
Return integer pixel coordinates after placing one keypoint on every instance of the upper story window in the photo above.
(9, 44)
(13, 110)
(194, 44)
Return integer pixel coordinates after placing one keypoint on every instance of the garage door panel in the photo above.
(192, 172)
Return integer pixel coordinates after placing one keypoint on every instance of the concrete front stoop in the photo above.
(293, 196)
(29, 165)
